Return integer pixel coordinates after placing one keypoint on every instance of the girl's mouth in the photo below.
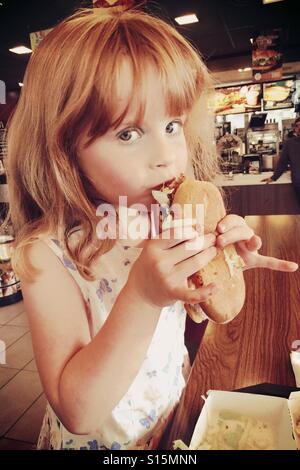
(163, 185)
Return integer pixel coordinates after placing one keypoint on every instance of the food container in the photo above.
(9, 283)
(267, 162)
(6, 248)
(244, 421)
(10, 288)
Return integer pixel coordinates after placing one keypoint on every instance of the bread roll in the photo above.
(225, 268)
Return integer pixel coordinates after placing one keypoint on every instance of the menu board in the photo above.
(237, 99)
(267, 56)
(279, 95)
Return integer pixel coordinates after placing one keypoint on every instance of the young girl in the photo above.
(113, 103)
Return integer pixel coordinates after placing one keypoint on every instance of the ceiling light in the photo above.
(21, 50)
(251, 40)
(21, 84)
(265, 2)
(187, 19)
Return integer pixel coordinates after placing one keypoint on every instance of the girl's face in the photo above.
(130, 161)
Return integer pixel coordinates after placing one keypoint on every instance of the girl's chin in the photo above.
(145, 200)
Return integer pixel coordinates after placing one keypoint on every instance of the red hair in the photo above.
(69, 89)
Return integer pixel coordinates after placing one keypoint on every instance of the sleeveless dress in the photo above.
(140, 418)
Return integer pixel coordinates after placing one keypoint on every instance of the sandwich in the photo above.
(264, 59)
(276, 93)
(226, 268)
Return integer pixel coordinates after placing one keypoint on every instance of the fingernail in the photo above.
(222, 227)
(295, 266)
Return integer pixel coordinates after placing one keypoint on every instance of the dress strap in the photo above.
(55, 246)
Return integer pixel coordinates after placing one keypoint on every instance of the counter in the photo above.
(241, 179)
(245, 194)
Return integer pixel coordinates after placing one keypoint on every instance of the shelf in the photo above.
(11, 299)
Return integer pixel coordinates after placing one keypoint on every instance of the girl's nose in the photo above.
(162, 155)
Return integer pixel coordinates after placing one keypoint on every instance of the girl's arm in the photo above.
(83, 379)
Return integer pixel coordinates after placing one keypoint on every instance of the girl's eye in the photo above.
(174, 127)
(130, 135)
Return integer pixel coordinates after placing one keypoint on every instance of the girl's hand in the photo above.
(234, 229)
(159, 276)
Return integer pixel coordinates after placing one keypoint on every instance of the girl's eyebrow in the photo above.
(127, 123)
(130, 122)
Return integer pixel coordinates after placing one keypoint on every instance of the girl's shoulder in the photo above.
(51, 244)
(55, 241)
(40, 254)
(119, 258)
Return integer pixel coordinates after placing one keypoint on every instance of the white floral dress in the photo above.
(140, 418)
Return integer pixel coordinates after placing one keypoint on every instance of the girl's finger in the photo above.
(234, 235)
(190, 248)
(195, 296)
(230, 221)
(179, 231)
(186, 268)
(275, 264)
(254, 244)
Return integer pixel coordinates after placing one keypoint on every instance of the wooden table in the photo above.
(253, 348)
